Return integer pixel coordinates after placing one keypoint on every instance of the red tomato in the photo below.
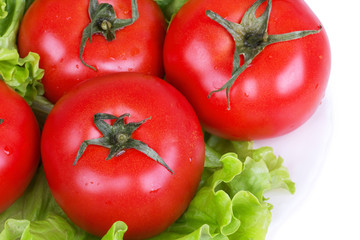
(130, 187)
(278, 92)
(53, 29)
(19, 146)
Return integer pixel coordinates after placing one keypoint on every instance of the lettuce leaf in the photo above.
(3, 12)
(170, 7)
(22, 74)
(229, 204)
(11, 13)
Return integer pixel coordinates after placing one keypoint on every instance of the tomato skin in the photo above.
(131, 187)
(53, 29)
(277, 93)
(19, 146)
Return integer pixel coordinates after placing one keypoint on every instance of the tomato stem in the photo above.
(105, 25)
(41, 108)
(251, 38)
(104, 22)
(117, 138)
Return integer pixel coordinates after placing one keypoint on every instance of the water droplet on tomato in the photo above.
(190, 160)
(7, 150)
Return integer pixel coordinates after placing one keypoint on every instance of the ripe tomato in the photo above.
(19, 146)
(131, 186)
(279, 90)
(53, 29)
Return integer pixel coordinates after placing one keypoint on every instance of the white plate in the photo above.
(304, 152)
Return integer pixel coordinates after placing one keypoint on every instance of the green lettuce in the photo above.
(22, 74)
(170, 7)
(229, 203)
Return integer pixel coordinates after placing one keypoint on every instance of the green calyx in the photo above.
(251, 38)
(104, 22)
(1, 121)
(117, 138)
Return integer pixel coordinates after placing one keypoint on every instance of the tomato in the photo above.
(279, 90)
(54, 29)
(19, 146)
(131, 186)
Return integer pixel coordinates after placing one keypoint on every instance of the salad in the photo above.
(225, 197)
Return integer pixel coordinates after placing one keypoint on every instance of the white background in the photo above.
(331, 207)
